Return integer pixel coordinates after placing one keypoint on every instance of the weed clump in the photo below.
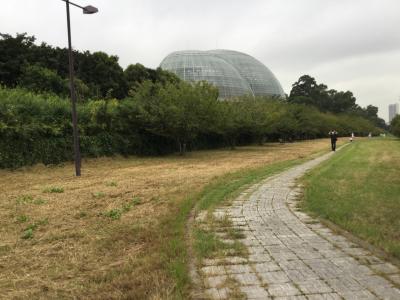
(98, 195)
(53, 189)
(116, 213)
(22, 219)
(24, 199)
(28, 231)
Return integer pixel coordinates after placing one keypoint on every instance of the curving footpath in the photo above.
(292, 256)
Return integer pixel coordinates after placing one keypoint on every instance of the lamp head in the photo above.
(90, 10)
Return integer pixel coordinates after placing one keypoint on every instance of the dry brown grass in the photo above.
(77, 250)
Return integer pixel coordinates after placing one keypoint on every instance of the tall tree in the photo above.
(14, 54)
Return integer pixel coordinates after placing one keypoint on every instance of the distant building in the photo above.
(232, 72)
(393, 111)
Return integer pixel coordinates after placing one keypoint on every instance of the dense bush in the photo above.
(157, 119)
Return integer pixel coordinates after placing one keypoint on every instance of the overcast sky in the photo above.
(347, 44)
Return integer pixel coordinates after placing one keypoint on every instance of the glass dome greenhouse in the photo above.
(233, 73)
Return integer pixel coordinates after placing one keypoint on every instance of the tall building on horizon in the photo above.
(393, 111)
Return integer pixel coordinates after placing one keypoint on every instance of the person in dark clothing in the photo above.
(333, 134)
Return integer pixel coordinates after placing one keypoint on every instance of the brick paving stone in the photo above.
(255, 258)
(246, 279)
(254, 292)
(332, 253)
(395, 278)
(283, 290)
(369, 260)
(314, 287)
(296, 264)
(215, 281)
(299, 275)
(328, 296)
(374, 280)
(356, 251)
(257, 250)
(300, 297)
(358, 295)
(274, 277)
(266, 267)
(236, 269)
(385, 268)
(344, 284)
(211, 262)
(234, 260)
(213, 270)
(386, 293)
(291, 255)
(215, 293)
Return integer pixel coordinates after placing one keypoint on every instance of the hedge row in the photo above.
(158, 119)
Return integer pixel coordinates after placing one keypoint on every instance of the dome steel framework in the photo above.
(234, 73)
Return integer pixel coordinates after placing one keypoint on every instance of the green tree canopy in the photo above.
(395, 126)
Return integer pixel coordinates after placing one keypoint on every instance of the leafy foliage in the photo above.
(307, 91)
(43, 68)
(157, 119)
(395, 126)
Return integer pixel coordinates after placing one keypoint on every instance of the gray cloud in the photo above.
(347, 44)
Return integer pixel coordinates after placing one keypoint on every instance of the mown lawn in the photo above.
(118, 232)
(359, 190)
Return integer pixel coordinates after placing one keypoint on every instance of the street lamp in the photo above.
(77, 153)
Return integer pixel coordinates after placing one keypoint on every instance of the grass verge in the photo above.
(359, 190)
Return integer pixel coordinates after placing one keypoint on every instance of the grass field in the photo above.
(117, 232)
(359, 190)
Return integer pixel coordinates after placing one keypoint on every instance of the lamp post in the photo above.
(77, 153)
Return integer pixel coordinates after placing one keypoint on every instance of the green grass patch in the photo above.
(116, 213)
(29, 230)
(23, 199)
(98, 195)
(54, 189)
(358, 189)
(39, 201)
(22, 219)
(207, 243)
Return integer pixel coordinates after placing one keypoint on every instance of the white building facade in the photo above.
(393, 111)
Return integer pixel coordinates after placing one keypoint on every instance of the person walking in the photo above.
(352, 137)
(333, 134)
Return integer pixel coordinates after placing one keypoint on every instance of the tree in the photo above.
(341, 101)
(307, 91)
(101, 71)
(395, 126)
(176, 111)
(372, 111)
(14, 53)
(39, 79)
(135, 75)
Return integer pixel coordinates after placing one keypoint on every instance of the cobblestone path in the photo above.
(290, 255)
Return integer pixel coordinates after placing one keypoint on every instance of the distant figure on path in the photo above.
(333, 134)
(352, 137)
